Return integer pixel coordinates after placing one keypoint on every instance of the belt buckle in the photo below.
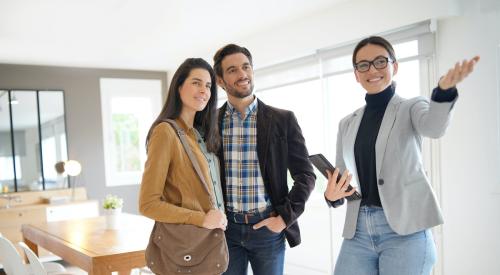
(247, 215)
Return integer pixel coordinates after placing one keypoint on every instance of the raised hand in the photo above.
(215, 219)
(457, 73)
(337, 190)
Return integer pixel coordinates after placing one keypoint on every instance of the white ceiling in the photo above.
(135, 34)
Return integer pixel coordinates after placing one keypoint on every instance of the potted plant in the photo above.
(112, 208)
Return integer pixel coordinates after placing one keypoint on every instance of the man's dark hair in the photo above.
(228, 50)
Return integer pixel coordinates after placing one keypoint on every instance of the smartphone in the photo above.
(322, 164)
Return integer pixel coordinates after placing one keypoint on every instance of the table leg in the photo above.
(104, 270)
(100, 270)
(124, 272)
(31, 245)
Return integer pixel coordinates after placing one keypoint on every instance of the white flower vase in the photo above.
(112, 218)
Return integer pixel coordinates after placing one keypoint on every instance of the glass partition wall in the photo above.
(32, 140)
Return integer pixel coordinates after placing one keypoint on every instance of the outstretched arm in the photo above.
(431, 119)
(458, 73)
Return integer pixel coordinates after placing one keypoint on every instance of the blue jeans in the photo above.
(263, 248)
(376, 249)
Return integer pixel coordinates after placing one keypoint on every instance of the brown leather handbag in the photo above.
(185, 248)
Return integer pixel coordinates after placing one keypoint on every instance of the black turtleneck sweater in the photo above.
(364, 146)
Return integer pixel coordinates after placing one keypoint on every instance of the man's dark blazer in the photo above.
(280, 146)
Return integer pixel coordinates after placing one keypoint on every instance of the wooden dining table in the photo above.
(88, 244)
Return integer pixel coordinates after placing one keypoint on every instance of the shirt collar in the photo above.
(250, 109)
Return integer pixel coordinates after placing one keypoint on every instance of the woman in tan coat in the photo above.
(171, 190)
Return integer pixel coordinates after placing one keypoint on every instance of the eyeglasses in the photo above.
(379, 63)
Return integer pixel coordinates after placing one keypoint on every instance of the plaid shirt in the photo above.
(244, 183)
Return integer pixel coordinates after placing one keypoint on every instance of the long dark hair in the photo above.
(375, 40)
(205, 121)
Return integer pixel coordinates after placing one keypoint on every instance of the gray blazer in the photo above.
(409, 202)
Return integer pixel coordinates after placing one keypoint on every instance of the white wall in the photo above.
(470, 150)
(346, 22)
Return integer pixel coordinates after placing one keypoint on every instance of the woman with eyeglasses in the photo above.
(379, 149)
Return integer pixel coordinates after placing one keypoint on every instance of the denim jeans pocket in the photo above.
(270, 231)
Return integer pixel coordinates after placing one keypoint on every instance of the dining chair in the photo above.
(10, 258)
(39, 268)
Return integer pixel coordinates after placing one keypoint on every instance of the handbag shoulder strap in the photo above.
(189, 152)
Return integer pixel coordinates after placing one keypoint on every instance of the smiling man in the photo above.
(259, 144)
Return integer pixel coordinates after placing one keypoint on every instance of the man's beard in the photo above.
(235, 93)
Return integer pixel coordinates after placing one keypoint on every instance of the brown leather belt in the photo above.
(250, 217)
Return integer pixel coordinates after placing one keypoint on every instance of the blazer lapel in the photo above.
(348, 149)
(385, 130)
(263, 129)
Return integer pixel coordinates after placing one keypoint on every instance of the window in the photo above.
(321, 90)
(49, 145)
(129, 107)
(8, 173)
(54, 141)
(32, 123)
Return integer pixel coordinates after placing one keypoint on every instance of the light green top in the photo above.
(213, 165)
